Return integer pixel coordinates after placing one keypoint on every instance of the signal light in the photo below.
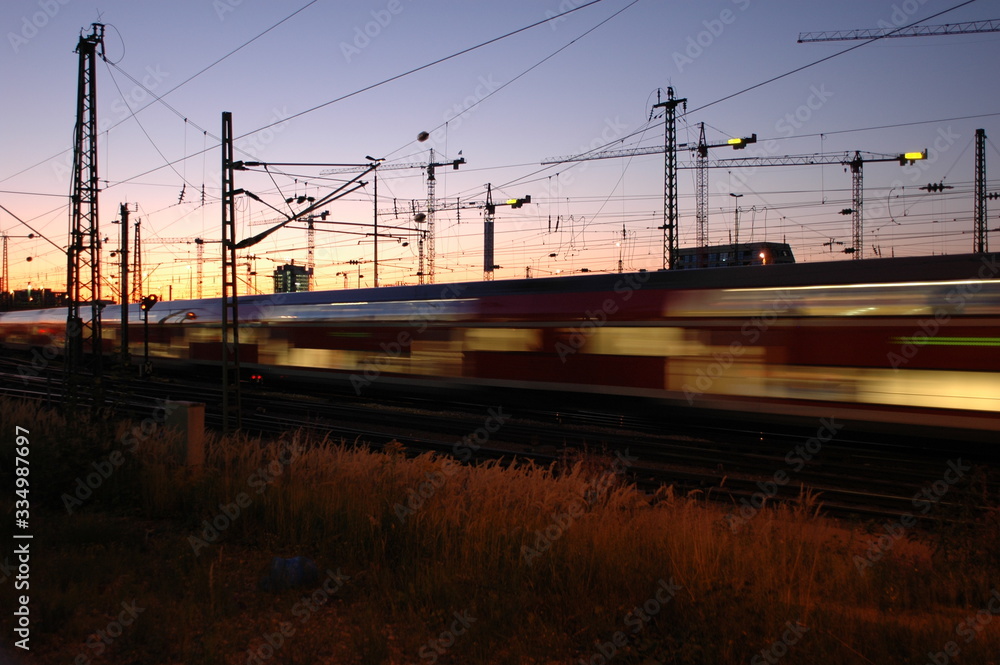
(910, 157)
(148, 302)
(740, 144)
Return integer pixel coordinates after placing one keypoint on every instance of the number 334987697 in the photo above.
(21, 471)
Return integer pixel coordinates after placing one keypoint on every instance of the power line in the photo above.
(159, 98)
(378, 84)
(829, 57)
(432, 64)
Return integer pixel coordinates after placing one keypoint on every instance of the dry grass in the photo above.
(413, 562)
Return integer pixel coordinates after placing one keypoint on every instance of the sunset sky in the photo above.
(325, 72)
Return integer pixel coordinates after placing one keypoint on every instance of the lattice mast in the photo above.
(670, 240)
(857, 206)
(431, 205)
(124, 212)
(701, 190)
(83, 255)
(137, 262)
(980, 243)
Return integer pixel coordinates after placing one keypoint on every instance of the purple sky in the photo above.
(596, 90)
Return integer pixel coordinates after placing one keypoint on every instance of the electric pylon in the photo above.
(83, 256)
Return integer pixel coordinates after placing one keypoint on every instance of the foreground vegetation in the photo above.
(423, 560)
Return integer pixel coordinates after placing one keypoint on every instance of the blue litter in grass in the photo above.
(289, 573)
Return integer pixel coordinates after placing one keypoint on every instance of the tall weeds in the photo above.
(552, 561)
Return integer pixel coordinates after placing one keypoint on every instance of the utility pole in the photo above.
(736, 226)
(137, 262)
(375, 164)
(200, 259)
(489, 212)
(83, 275)
(230, 309)
(488, 216)
(670, 175)
(980, 243)
(621, 247)
(124, 283)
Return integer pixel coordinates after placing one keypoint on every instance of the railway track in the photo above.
(855, 475)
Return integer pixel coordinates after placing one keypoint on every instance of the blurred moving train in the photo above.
(912, 341)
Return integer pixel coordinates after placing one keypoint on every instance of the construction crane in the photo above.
(967, 28)
(700, 150)
(5, 294)
(855, 161)
(979, 232)
(429, 166)
(200, 260)
(701, 179)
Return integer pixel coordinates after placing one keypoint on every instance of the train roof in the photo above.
(889, 270)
